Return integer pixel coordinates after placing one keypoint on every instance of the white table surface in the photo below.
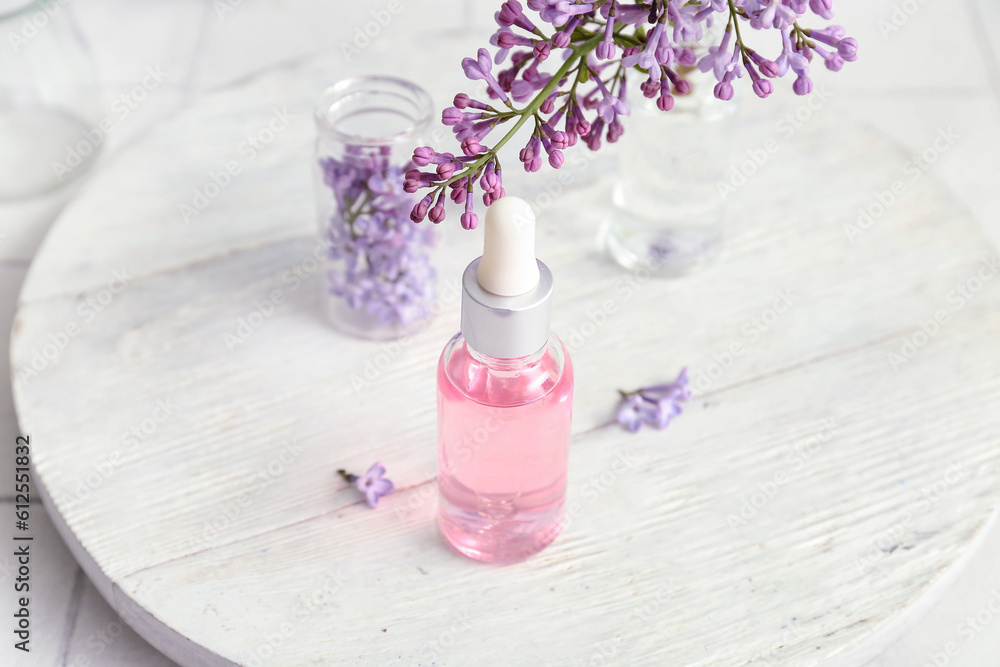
(902, 85)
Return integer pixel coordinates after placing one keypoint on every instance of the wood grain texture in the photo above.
(222, 529)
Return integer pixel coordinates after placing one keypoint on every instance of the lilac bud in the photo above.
(665, 102)
(458, 195)
(822, 7)
(835, 31)
(834, 63)
(615, 131)
(560, 140)
(490, 197)
(549, 105)
(509, 13)
(664, 53)
(803, 85)
(556, 159)
(422, 157)
(542, 50)
(463, 129)
(769, 68)
(411, 185)
(724, 91)
(470, 220)
(593, 138)
(562, 38)
(506, 40)
(489, 182)
(763, 88)
(687, 57)
(451, 116)
(445, 170)
(583, 126)
(419, 211)
(848, 49)
(507, 78)
(630, 51)
(471, 146)
(462, 101)
(605, 51)
(683, 87)
(521, 91)
(437, 214)
(650, 88)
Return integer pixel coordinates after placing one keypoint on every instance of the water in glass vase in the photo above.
(667, 211)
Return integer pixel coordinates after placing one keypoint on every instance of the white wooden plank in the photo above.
(964, 167)
(727, 597)
(951, 629)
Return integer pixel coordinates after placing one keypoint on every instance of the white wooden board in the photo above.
(222, 532)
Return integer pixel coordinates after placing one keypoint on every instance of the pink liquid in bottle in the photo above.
(503, 449)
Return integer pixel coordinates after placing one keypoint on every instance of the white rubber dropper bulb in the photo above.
(508, 266)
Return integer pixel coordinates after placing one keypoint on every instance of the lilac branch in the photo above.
(653, 40)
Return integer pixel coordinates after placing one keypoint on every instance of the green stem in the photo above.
(734, 17)
(351, 215)
(802, 37)
(527, 112)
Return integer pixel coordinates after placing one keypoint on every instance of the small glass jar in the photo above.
(378, 279)
(50, 130)
(668, 210)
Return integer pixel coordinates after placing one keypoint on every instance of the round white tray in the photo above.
(809, 496)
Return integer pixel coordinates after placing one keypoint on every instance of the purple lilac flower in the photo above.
(822, 7)
(656, 405)
(558, 70)
(480, 68)
(373, 484)
(384, 265)
(607, 48)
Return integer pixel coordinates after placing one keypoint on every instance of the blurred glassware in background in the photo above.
(668, 211)
(49, 99)
(379, 280)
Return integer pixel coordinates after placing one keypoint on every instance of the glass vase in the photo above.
(668, 210)
(378, 277)
(49, 127)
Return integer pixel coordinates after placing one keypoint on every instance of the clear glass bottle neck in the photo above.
(517, 363)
